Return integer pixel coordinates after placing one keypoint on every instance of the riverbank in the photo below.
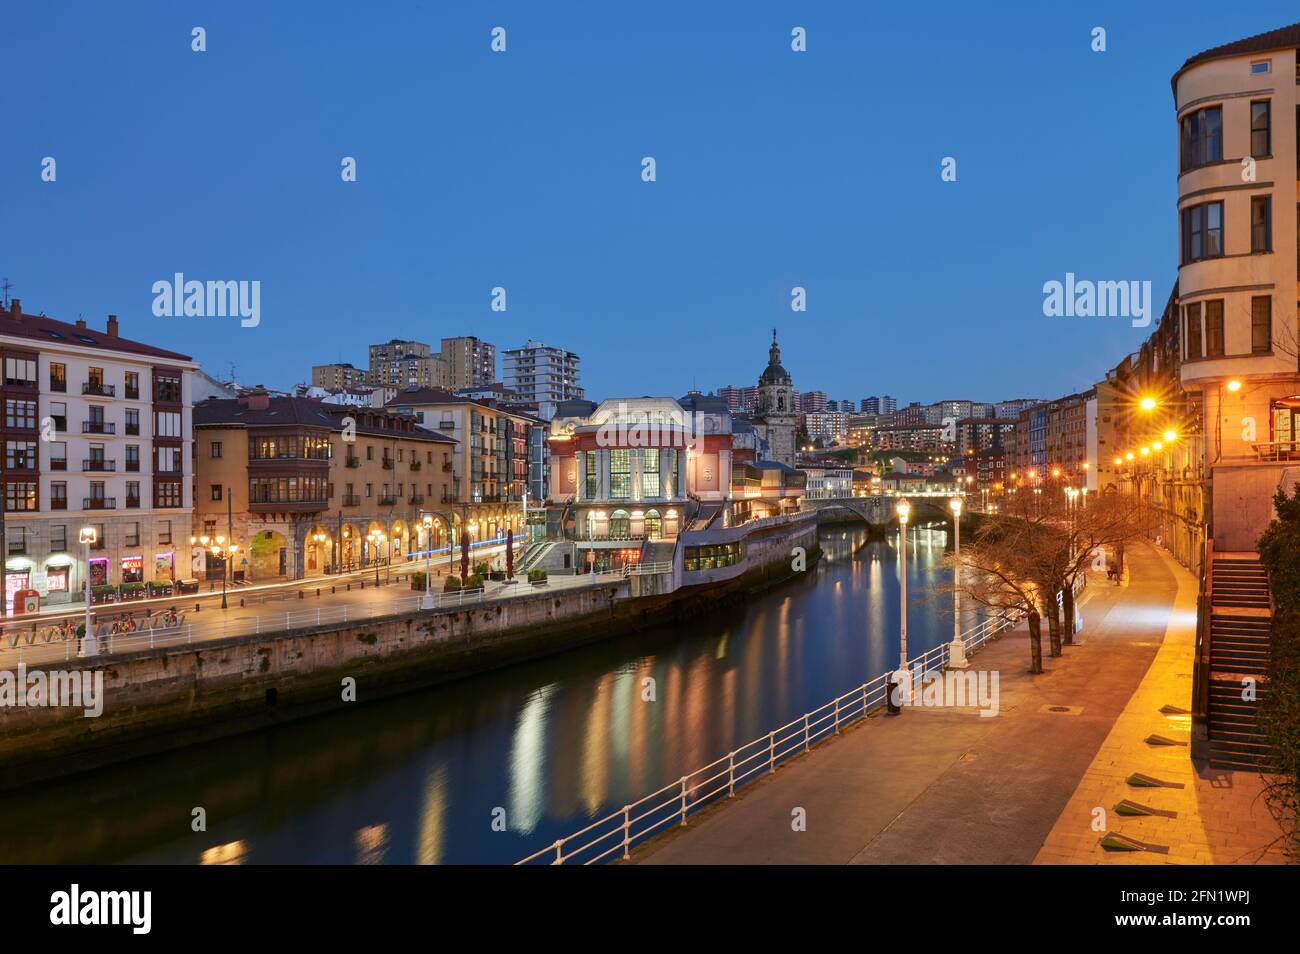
(931, 786)
(183, 695)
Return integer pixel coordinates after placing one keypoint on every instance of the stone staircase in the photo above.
(1240, 622)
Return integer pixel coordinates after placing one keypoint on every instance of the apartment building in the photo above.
(471, 363)
(1237, 112)
(338, 377)
(544, 375)
(407, 364)
(300, 486)
(489, 470)
(97, 433)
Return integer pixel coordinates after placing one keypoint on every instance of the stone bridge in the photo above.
(881, 511)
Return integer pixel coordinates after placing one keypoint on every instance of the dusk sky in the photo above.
(522, 169)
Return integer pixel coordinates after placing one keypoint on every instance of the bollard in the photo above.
(318, 592)
(241, 602)
(196, 607)
(301, 594)
(891, 685)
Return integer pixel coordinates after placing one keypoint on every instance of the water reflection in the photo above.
(554, 743)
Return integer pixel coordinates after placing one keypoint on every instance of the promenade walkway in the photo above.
(949, 786)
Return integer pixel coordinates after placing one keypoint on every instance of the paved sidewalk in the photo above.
(946, 785)
(1221, 817)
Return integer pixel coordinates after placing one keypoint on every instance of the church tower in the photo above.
(777, 418)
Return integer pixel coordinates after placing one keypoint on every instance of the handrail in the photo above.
(1201, 661)
(619, 830)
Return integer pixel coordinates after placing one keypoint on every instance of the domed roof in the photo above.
(774, 373)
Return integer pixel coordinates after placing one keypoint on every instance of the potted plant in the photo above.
(537, 577)
(452, 584)
(418, 581)
(160, 587)
(103, 593)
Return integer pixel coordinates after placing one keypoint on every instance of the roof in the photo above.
(304, 412)
(43, 330)
(1280, 39)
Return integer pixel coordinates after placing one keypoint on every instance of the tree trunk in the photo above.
(1035, 643)
(1054, 625)
(1068, 636)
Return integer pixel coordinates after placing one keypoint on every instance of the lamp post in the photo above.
(957, 649)
(428, 550)
(376, 538)
(904, 511)
(88, 648)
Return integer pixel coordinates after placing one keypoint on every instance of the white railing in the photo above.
(37, 643)
(615, 833)
(641, 569)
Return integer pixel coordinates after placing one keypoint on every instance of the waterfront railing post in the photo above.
(837, 715)
(805, 732)
(683, 801)
(627, 832)
(731, 775)
(559, 857)
(771, 752)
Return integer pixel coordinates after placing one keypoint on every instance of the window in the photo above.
(1261, 223)
(620, 474)
(20, 414)
(166, 424)
(58, 538)
(133, 457)
(58, 377)
(1193, 313)
(17, 541)
(58, 455)
(20, 496)
(167, 387)
(58, 495)
(215, 450)
(167, 493)
(370, 452)
(169, 460)
(133, 420)
(1214, 328)
(1202, 138)
(369, 492)
(133, 493)
(59, 415)
(164, 531)
(1261, 324)
(650, 473)
(1261, 126)
(1261, 66)
(1202, 232)
(133, 385)
(20, 372)
(133, 534)
(20, 455)
(216, 491)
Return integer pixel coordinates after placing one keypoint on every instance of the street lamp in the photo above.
(904, 511)
(224, 552)
(376, 538)
(87, 537)
(957, 650)
(428, 549)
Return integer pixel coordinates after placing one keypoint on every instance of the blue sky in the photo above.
(522, 170)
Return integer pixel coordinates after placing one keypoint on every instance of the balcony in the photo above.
(448, 466)
(351, 500)
(287, 506)
(132, 466)
(132, 394)
(449, 496)
(132, 502)
(132, 428)
(58, 464)
(415, 465)
(58, 384)
(352, 461)
(387, 501)
(99, 503)
(416, 499)
(99, 389)
(388, 463)
(98, 427)
(58, 503)
(99, 465)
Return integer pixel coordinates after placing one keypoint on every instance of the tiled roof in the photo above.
(43, 330)
(1279, 39)
(302, 412)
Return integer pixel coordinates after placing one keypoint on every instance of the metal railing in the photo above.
(618, 831)
(643, 569)
(1276, 450)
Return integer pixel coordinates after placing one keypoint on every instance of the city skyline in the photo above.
(540, 189)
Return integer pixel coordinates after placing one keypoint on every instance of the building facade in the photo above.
(300, 486)
(471, 363)
(98, 434)
(542, 374)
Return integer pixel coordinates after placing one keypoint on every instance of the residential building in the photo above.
(407, 364)
(471, 363)
(97, 434)
(300, 486)
(825, 483)
(338, 377)
(544, 375)
(811, 402)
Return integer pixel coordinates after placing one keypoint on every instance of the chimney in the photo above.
(15, 309)
(112, 326)
(255, 400)
(81, 323)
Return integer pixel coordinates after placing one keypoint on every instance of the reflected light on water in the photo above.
(528, 761)
(231, 853)
(371, 844)
(429, 849)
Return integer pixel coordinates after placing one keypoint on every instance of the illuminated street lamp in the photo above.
(904, 511)
(957, 650)
(1148, 403)
(1234, 386)
(428, 549)
(87, 536)
(376, 538)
